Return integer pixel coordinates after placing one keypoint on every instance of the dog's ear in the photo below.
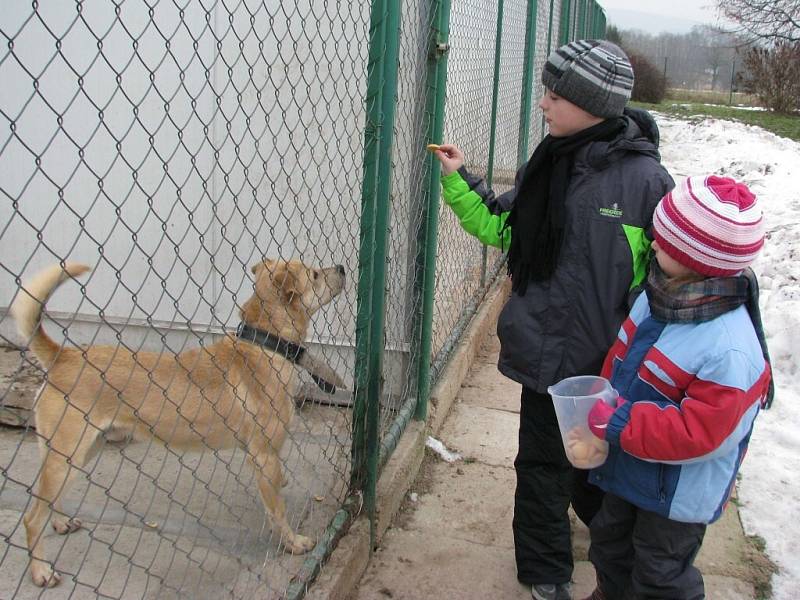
(285, 280)
(262, 264)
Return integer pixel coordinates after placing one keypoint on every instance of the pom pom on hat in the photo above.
(712, 225)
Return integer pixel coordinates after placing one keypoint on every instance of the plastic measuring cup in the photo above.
(573, 399)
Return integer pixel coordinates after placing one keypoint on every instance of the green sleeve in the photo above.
(474, 216)
(640, 252)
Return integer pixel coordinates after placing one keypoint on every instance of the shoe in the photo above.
(551, 591)
(597, 594)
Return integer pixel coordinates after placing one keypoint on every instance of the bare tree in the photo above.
(768, 20)
(649, 84)
(773, 74)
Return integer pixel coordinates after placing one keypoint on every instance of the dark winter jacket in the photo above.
(565, 325)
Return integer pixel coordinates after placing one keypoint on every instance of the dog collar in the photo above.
(289, 350)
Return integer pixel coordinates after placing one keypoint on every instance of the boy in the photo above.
(575, 228)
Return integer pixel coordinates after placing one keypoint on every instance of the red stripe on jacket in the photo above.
(670, 392)
(680, 378)
(619, 349)
(708, 414)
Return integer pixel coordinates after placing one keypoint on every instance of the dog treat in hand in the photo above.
(432, 147)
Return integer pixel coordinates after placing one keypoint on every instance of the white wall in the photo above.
(174, 150)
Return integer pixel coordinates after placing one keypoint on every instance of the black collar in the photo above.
(265, 339)
(289, 350)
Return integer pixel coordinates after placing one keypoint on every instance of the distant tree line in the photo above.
(759, 54)
(693, 60)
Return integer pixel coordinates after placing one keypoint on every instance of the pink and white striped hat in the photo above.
(711, 225)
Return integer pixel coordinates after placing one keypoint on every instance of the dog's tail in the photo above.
(29, 304)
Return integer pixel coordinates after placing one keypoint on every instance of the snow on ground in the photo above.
(769, 490)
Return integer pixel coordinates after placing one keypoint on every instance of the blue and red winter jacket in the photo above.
(693, 391)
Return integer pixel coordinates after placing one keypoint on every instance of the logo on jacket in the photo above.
(614, 211)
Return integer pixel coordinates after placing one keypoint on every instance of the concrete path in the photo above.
(452, 536)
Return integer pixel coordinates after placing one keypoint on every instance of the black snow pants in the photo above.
(546, 485)
(641, 555)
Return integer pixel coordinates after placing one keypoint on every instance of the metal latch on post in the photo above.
(441, 48)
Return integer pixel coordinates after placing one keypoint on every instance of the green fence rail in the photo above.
(173, 146)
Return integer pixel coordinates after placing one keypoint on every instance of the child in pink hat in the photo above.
(692, 370)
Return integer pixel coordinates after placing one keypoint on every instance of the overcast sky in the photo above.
(654, 16)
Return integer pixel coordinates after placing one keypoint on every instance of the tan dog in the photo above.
(228, 394)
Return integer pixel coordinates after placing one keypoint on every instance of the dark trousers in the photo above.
(546, 484)
(638, 554)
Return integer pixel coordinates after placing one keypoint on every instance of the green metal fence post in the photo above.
(391, 61)
(428, 239)
(549, 50)
(367, 240)
(498, 45)
(585, 20)
(527, 83)
(576, 19)
(382, 71)
(596, 21)
(564, 29)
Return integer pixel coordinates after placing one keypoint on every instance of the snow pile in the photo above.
(769, 491)
(440, 449)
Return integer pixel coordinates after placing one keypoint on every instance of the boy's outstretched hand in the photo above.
(451, 157)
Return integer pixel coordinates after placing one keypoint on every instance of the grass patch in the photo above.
(761, 567)
(709, 97)
(783, 125)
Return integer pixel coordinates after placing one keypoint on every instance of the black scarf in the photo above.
(538, 216)
(707, 299)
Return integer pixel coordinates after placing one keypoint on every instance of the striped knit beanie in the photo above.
(595, 75)
(712, 225)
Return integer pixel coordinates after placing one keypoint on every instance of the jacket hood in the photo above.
(645, 122)
(640, 136)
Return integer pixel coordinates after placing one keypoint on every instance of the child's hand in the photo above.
(451, 157)
(600, 415)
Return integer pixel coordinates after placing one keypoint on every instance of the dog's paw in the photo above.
(63, 526)
(298, 544)
(43, 575)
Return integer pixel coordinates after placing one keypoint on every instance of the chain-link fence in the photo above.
(209, 161)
